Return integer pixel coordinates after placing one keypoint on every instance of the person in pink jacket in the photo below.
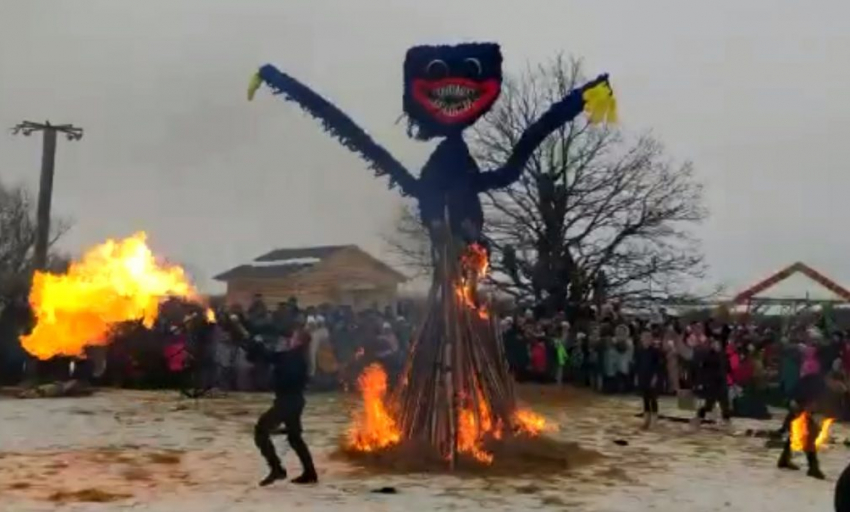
(734, 363)
(810, 365)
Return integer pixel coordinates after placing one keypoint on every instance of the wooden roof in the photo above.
(280, 263)
(801, 268)
(265, 272)
(321, 252)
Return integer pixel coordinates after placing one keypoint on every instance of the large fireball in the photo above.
(113, 282)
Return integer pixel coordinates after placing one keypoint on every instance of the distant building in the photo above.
(339, 275)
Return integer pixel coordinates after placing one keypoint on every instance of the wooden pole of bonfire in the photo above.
(456, 366)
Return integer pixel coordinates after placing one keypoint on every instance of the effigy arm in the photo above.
(595, 97)
(337, 123)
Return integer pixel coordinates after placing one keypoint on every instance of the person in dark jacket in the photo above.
(712, 372)
(648, 368)
(808, 391)
(16, 318)
(290, 375)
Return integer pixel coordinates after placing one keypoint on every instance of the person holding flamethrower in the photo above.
(291, 373)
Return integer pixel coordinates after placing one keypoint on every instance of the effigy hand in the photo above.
(599, 101)
(253, 85)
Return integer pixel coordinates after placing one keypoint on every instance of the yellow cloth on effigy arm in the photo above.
(600, 104)
(253, 85)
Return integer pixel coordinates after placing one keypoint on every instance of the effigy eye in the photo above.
(437, 68)
(474, 66)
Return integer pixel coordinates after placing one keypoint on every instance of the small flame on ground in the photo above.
(113, 282)
(531, 423)
(374, 428)
(800, 434)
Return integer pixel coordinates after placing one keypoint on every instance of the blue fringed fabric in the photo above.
(340, 126)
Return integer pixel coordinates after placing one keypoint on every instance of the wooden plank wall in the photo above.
(349, 277)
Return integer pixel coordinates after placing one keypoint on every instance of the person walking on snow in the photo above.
(712, 371)
(648, 367)
(809, 389)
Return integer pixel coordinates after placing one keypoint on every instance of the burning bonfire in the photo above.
(114, 282)
(455, 403)
(375, 427)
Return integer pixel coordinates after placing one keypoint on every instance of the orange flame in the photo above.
(473, 429)
(114, 282)
(800, 434)
(474, 265)
(374, 428)
(475, 258)
(530, 423)
(470, 436)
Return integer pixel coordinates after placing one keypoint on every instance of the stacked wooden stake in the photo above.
(456, 361)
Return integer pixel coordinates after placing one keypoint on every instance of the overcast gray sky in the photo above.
(754, 92)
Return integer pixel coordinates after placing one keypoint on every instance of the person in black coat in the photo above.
(16, 318)
(290, 374)
(648, 367)
(712, 371)
(808, 391)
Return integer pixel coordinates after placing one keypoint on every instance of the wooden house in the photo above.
(339, 275)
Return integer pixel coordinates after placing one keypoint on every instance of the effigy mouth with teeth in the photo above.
(455, 100)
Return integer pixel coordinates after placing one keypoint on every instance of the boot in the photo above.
(785, 459)
(277, 473)
(647, 421)
(308, 477)
(814, 466)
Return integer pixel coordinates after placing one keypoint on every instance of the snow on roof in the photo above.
(290, 261)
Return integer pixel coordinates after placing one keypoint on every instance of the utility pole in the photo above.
(45, 188)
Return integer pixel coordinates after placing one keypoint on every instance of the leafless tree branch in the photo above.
(17, 239)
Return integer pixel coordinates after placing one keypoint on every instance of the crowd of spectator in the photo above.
(341, 342)
(611, 352)
(761, 366)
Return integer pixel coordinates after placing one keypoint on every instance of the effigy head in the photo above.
(447, 88)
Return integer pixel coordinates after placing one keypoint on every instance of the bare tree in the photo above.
(18, 237)
(596, 213)
(409, 242)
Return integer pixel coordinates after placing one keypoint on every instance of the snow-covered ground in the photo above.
(158, 452)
